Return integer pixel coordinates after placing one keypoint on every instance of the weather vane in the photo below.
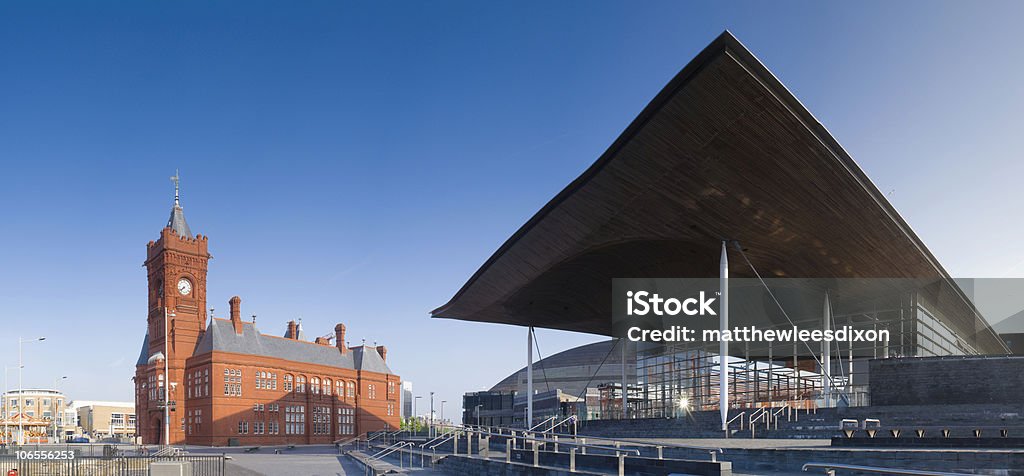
(176, 179)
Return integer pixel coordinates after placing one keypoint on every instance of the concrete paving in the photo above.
(313, 460)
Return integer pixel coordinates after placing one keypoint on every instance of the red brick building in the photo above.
(232, 384)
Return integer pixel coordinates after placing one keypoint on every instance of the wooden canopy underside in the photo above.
(723, 152)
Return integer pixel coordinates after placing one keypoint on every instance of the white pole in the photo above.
(21, 391)
(723, 345)
(625, 386)
(529, 378)
(167, 382)
(21, 396)
(54, 415)
(826, 355)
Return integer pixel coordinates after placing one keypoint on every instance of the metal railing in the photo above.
(202, 465)
(340, 444)
(740, 416)
(830, 470)
(775, 415)
(755, 417)
(572, 419)
(712, 450)
(542, 423)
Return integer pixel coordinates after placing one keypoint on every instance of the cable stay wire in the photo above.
(536, 343)
(785, 314)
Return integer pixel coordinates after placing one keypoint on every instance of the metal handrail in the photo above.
(341, 443)
(775, 415)
(755, 415)
(534, 427)
(830, 469)
(391, 449)
(347, 440)
(560, 423)
(437, 438)
(713, 449)
(760, 413)
(573, 443)
(453, 434)
(740, 416)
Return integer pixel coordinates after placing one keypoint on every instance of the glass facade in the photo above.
(674, 378)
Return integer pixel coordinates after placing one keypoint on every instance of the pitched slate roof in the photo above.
(144, 353)
(220, 336)
(367, 358)
(177, 221)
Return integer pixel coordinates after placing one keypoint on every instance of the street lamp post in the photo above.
(6, 403)
(167, 380)
(21, 388)
(442, 410)
(55, 406)
(430, 427)
(415, 418)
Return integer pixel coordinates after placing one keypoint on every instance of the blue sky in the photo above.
(357, 162)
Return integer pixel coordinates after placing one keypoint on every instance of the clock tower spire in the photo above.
(176, 265)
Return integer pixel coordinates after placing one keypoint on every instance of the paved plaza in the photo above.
(312, 460)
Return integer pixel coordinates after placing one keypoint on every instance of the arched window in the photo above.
(339, 388)
(300, 384)
(351, 389)
(314, 385)
(327, 386)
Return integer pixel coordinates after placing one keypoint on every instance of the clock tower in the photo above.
(176, 266)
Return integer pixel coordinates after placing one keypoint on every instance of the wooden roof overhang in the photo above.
(723, 152)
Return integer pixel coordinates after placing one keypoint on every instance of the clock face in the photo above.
(184, 286)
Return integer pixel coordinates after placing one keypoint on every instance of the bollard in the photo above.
(572, 460)
(622, 465)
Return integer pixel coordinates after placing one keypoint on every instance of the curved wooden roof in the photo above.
(723, 152)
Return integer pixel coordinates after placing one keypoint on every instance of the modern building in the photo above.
(100, 420)
(562, 383)
(228, 382)
(41, 411)
(407, 400)
(726, 170)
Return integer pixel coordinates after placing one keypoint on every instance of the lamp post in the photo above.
(415, 418)
(167, 379)
(55, 406)
(21, 388)
(6, 403)
(442, 410)
(430, 427)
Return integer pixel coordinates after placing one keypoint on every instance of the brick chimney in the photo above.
(293, 332)
(383, 351)
(323, 340)
(236, 313)
(339, 338)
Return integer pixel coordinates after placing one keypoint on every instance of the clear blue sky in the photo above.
(357, 163)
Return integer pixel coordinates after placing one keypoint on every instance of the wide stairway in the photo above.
(960, 420)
